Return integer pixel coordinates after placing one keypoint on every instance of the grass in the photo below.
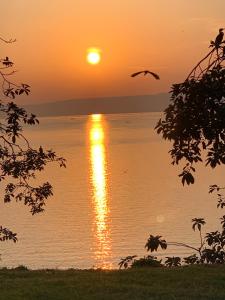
(195, 282)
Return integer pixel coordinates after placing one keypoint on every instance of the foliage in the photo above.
(198, 222)
(154, 242)
(191, 260)
(19, 162)
(6, 234)
(173, 261)
(126, 262)
(194, 121)
(221, 199)
(146, 261)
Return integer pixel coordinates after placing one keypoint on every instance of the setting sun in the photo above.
(93, 56)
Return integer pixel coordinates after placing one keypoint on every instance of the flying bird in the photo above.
(219, 38)
(156, 76)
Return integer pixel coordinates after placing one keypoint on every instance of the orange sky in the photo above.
(165, 36)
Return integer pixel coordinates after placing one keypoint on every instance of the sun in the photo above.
(93, 56)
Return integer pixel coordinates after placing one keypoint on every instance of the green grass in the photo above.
(196, 282)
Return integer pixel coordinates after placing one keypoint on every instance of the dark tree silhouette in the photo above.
(173, 261)
(195, 123)
(19, 162)
(195, 119)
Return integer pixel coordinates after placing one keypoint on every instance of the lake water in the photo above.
(118, 188)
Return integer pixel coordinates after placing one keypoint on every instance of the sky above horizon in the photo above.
(167, 37)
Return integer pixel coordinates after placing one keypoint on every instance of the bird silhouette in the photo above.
(156, 76)
(219, 38)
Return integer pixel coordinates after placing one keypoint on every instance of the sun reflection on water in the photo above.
(98, 177)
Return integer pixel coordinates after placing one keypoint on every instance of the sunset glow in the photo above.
(167, 37)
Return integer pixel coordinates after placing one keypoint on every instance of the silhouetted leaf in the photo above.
(154, 242)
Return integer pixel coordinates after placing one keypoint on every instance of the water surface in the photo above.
(118, 188)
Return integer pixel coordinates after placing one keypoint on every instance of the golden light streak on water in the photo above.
(98, 170)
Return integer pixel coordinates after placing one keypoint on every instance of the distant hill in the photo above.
(107, 105)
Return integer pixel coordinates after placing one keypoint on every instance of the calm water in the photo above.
(118, 188)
